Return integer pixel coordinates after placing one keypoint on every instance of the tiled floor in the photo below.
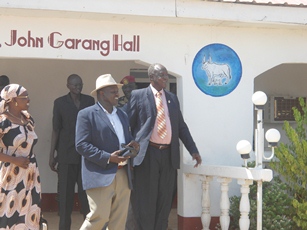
(77, 219)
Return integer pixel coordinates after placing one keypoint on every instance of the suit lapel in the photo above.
(151, 102)
(125, 124)
(82, 102)
(104, 117)
(170, 105)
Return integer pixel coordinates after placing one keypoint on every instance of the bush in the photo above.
(291, 163)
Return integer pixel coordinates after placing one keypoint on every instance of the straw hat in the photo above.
(104, 81)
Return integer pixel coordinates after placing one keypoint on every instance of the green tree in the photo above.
(291, 163)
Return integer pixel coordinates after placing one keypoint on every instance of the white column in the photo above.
(259, 139)
(260, 152)
(205, 215)
(259, 205)
(224, 202)
(244, 221)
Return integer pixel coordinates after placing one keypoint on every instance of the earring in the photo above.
(16, 104)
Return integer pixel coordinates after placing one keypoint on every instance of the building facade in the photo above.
(42, 43)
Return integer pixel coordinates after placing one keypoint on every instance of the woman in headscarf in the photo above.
(20, 195)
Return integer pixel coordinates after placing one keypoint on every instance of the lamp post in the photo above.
(259, 99)
(272, 136)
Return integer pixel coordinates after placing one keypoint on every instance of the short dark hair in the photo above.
(4, 80)
(73, 76)
(154, 69)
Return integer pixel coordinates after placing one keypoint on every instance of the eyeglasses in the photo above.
(23, 97)
(164, 76)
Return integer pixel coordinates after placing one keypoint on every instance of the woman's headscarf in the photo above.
(8, 93)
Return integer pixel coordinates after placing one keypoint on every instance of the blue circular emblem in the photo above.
(216, 70)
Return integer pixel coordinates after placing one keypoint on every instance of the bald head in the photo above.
(158, 76)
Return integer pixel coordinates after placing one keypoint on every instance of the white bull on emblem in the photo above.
(216, 72)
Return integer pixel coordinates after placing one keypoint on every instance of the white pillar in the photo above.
(224, 202)
(205, 215)
(259, 139)
(244, 221)
(259, 205)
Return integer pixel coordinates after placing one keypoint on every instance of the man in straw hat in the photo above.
(101, 131)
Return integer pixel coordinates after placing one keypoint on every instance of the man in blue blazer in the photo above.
(100, 131)
(156, 164)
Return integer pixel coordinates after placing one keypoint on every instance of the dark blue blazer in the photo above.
(95, 141)
(142, 113)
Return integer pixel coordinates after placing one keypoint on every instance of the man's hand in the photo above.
(53, 162)
(135, 145)
(198, 159)
(115, 158)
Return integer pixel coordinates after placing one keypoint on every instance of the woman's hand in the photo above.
(22, 162)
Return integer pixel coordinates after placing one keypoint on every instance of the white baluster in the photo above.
(205, 215)
(244, 221)
(224, 202)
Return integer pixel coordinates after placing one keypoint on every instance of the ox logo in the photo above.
(216, 70)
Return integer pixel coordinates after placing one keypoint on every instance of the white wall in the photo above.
(216, 123)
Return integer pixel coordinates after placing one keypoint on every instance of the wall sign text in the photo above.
(56, 40)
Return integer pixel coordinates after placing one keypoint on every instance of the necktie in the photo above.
(161, 116)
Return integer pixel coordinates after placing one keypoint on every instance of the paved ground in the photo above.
(77, 219)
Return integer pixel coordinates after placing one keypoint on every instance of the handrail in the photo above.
(229, 171)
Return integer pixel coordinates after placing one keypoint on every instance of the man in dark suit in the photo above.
(159, 157)
(63, 157)
(100, 131)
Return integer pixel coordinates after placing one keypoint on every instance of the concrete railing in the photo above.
(224, 175)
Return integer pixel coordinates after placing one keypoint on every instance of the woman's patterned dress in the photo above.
(20, 196)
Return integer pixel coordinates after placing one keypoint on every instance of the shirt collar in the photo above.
(113, 111)
(153, 89)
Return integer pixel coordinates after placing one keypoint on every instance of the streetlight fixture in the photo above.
(272, 136)
(259, 99)
(244, 148)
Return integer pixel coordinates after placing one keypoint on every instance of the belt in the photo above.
(159, 146)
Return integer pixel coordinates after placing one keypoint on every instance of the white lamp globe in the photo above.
(259, 98)
(272, 136)
(244, 147)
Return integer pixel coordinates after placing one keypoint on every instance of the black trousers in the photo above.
(131, 221)
(69, 175)
(152, 197)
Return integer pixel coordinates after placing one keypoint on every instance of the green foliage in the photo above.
(291, 163)
(284, 201)
(277, 207)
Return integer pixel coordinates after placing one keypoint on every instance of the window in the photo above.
(279, 109)
(142, 80)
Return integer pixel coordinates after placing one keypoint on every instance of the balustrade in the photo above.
(224, 175)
